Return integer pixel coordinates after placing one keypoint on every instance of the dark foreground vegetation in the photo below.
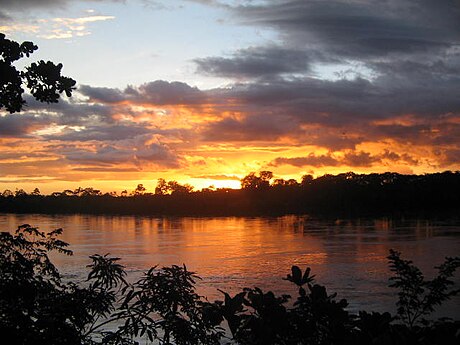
(38, 306)
(348, 194)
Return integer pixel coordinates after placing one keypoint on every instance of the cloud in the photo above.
(157, 92)
(5, 17)
(20, 125)
(334, 114)
(103, 132)
(450, 157)
(354, 159)
(17, 4)
(357, 29)
(359, 159)
(403, 57)
(310, 160)
(256, 62)
(58, 28)
(258, 127)
(218, 177)
(371, 83)
(22, 4)
(105, 169)
(125, 153)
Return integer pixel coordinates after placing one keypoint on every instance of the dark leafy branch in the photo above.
(162, 307)
(43, 79)
(419, 297)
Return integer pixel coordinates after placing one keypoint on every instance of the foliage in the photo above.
(43, 79)
(162, 307)
(418, 297)
(254, 182)
(172, 187)
(36, 306)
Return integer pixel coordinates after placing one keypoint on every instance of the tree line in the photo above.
(347, 194)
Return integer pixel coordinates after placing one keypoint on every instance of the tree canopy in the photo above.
(43, 79)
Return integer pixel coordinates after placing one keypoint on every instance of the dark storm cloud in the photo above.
(162, 93)
(359, 159)
(69, 111)
(258, 127)
(18, 4)
(158, 92)
(20, 125)
(256, 62)
(451, 157)
(102, 94)
(343, 112)
(350, 159)
(4, 17)
(343, 102)
(309, 160)
(410, 48)
(358, 29)
(310, 100)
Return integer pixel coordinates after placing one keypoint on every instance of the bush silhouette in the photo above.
(162, 307)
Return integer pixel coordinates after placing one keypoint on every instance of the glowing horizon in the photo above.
(205, 92)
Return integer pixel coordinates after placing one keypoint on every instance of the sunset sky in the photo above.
(206, 91)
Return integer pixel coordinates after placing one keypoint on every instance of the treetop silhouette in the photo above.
(43, 79)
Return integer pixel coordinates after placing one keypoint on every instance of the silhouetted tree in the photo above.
(68, 192)
(162, 187)
(177, 188)
(279, 182)
(418, 297)
(140, 190)
(36, 192)
(7, 193)
(254, 182)
(172, 187)
(342, 195)
(43, 79)
(20, 192)
(306, 180)
(88, 191)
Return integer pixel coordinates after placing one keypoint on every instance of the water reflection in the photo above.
(348, 256)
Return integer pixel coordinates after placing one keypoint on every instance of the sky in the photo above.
(206, 91)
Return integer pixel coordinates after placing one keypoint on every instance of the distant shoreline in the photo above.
(340, 196)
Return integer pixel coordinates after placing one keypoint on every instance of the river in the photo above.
(347, 256)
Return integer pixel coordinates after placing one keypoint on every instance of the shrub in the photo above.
(162, 307)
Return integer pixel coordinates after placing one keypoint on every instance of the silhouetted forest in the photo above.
(348, 194)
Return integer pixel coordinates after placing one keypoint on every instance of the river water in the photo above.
(347, 256)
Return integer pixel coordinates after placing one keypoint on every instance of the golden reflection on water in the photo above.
(348, 256)
(216, 247)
